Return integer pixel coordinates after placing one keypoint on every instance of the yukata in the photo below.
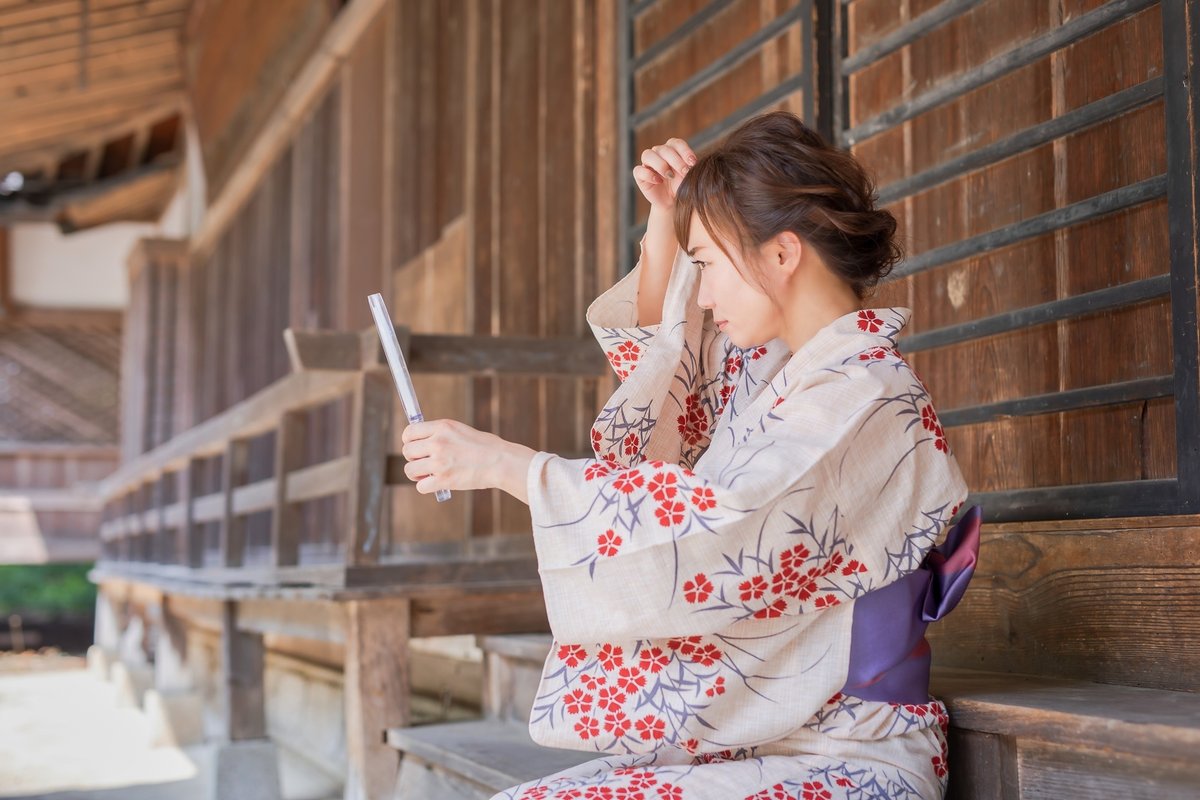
(739, 583)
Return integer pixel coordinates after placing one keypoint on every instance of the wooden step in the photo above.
(512, 667)
(470, 760)
(1030, 736)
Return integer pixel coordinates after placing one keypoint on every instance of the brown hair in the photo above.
(774, 174)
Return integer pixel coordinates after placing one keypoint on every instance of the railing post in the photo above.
(159, 532)
(190, 544)
(133, 503)
(369, 437)
(285, 519)
(233, 526)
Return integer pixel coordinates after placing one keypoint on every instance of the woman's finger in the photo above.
(418, 448)
(673, 158)
(415, 431)
(644, 174)
(685, 151)
(656, 162)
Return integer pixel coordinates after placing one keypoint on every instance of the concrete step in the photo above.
(472, 760)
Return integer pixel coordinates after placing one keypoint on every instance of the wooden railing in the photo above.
(154, 508)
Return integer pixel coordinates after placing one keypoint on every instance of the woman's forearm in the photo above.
(658, 256)
(511, 469)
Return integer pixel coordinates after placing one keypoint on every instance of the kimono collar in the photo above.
(853, 332)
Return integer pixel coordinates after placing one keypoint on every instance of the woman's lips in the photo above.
(721, 323)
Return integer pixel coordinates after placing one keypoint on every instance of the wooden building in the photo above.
(265, 565)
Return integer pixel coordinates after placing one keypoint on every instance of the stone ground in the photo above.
(63, 736)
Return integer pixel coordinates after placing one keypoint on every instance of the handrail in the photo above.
(139, 523)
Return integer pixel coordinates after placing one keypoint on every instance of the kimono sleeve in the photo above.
(683, 371)
(791, 521)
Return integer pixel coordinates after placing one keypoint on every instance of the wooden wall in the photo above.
(239, 56)
(1039, 157)
(993, 228)
(501, 171)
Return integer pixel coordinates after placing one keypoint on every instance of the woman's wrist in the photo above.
(511, 467)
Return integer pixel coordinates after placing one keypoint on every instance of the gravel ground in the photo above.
(63, 737)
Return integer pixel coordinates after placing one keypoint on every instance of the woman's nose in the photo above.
(702, 297)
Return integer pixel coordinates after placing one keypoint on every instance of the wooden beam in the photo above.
(255, 415)
(64, 46)
(369, 437)
(450, 354)
(376, 692)
(233, 527)
(88, 136)
(191, 542)
(290, 439)
(241, 688)
(298, 102)
(5, 275)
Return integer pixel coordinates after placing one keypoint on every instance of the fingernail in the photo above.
(691, 160)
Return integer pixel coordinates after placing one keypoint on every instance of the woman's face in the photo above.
(739, 308)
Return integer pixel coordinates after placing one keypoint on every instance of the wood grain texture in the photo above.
(377, 692)
(1113, 601)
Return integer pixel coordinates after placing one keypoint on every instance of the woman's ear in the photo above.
(787, 250)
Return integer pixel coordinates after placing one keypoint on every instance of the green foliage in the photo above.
(46, 589)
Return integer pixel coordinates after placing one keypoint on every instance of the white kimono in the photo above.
(701, 573)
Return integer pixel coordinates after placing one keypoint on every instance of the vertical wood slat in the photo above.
(290, 440)
(233, 527)
(360, 265)
(370, 427)
(135, 523)
(125, 542)
(376, 690)
(159, 532)
(241, 689)
(518, 301)
(190, 550)
(481, 163)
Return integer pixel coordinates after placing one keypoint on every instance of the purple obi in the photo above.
(889, 656)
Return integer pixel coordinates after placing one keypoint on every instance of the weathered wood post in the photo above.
(244, 760)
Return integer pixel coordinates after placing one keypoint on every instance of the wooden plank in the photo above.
(1059, 769)
(516, 611)
(253, 416)
(319, 480)
(563, 93)
(301, 96)
(984, 766)
(191, 541)
(322, 349)
(376, 691)
(65, 45)
(479, 202)
(285, 516)
(360, 264)
(488, 752)
(369, 431)
(519, 298)
(1032, 604)
(234, 470)
(241, 688)
(1146, 723)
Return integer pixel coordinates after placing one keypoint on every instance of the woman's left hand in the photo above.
(448, 454)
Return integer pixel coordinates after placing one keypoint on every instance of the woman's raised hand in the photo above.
(663, 167)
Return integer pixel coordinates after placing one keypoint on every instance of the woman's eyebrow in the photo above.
(692, 252)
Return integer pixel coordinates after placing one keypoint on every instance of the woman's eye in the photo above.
(700, 264)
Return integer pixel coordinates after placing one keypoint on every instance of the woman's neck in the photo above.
(814, 304)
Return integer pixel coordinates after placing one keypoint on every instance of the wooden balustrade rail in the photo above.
(142, 525)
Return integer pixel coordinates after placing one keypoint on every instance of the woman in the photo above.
(738, 585)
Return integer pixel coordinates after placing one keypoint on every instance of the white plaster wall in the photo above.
(84, 269)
